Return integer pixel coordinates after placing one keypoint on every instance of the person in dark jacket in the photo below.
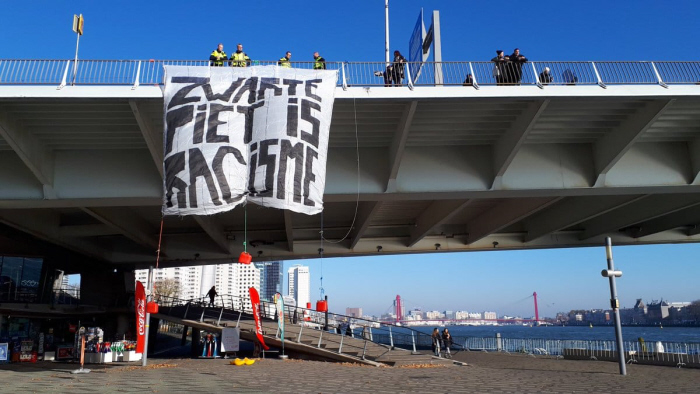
(436, 341)
(468, 81)
(569, 77)
(516, 66)
(447, 342)
(218, 56)
(546, 77)
(212, 294)
(397, 72)
(499, 67)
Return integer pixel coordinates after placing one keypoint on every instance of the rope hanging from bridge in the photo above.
(357, 199)
(320, 251)
(160, 239)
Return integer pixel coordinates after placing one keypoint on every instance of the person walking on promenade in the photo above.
(397, 72)
(499, 67)
(212, 294)
(319, 62)
(286, 60)
(447, 342)
(516, 66)
(240, 58)
(218, 56)
(436, 342)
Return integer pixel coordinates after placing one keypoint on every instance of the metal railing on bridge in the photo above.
(232, 308)
(366, 74)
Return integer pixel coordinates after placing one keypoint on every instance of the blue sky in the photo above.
(354, 31)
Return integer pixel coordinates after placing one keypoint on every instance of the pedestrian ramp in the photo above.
(304, 340)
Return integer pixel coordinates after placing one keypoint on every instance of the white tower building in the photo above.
(299, 284)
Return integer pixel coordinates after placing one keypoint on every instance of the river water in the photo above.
(666, 334)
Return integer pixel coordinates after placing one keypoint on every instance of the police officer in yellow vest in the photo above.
(218, 56)
(240, 58)
(319, 62)
(285, 61)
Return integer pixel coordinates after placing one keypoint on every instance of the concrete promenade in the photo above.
(487, 372)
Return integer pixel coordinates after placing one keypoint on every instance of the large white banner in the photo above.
(256, 133)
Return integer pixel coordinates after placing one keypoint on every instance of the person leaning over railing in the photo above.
(286, 60)
(240, 58)
(515, 67)
(398, 69)
(218, 56)
(319, 62)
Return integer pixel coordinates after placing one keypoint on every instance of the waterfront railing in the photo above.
(367, 74)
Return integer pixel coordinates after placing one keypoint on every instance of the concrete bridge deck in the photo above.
(440, 169)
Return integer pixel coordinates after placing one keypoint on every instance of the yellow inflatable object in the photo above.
(237, 361)
(248, 361)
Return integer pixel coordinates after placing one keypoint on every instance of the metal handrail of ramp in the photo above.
(364, 338)
(369, 74)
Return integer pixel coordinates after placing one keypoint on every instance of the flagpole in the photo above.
(386, 31)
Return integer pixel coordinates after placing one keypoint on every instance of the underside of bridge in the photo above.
(427, 170)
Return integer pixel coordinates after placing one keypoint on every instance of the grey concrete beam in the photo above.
(503, 215)
(87, 230)
(508, 144)
(128, 223)
(437, 213)
(694, 151)
(645, 209)
(44, 224)
(37, 157)
(289, 229)
(398, 144)
(571, 211)
(685, 217)
(155, 144)
(610, 148)
(365, 213)
(215, 231)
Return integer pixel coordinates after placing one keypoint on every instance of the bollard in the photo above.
(499, 342)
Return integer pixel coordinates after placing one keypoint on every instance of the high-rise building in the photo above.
(188, 279)
(353, 312)
(271, 279)
(234, 279)
(299, 284)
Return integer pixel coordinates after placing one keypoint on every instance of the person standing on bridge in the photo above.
(212, 294)
(436, 342)
(319, 62)
(286, 60)
(499, 67)
(447, 342)
(218, 56)
(240, 58)
(516, 66)
(397, 72)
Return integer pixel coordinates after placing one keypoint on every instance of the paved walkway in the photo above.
(487, 372)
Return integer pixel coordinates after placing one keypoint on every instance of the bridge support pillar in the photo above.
(153, 334)
(195, 343)
(184, 335)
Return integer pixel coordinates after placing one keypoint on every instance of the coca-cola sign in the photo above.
(140, 317)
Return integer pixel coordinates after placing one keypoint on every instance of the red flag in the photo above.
(255, 301)
(140, 299)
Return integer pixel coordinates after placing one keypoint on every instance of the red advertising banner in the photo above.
(255, 301)
(140, 317)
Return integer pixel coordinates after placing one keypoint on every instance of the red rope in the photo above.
(160, 238)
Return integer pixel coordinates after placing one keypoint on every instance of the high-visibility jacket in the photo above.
(217, 58)
(319, 63)
(239, 59)
(284, 62)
